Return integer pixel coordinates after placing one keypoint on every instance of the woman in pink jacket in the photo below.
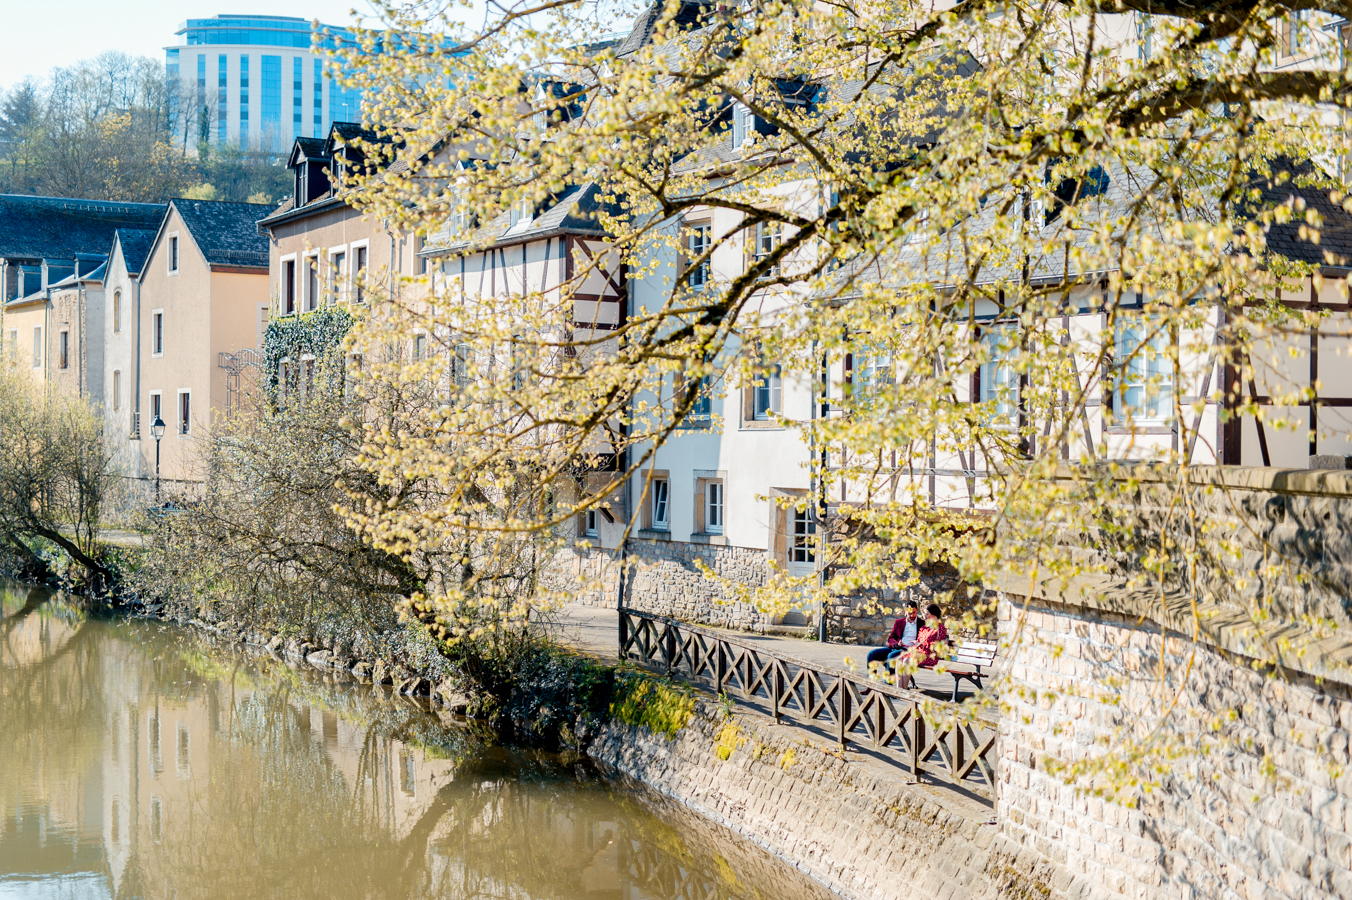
(926, 650)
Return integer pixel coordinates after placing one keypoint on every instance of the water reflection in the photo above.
(137, 761)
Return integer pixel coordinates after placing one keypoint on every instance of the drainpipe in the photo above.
(79, 331)
(817, 487)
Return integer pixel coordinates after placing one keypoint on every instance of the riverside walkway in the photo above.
(595, 631)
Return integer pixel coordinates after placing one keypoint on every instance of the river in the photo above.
(140, 760)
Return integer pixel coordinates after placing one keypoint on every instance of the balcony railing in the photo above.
(934, 738)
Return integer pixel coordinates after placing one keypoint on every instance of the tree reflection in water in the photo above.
(145, 762)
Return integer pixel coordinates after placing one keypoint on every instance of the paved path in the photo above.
(596, 631)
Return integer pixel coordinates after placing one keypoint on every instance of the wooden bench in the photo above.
(975, 657)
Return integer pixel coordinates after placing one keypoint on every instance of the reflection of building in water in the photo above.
(155, 779)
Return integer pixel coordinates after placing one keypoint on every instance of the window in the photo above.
(184, 412)
(155, 408)
(337, 261)
(264, 315)
(311, 282)
(522, 213)
(408, 773)
(37, 346)
(419, 346)
(589, 528)
(697, 242)
(703, 407)
(63, 349)
(358, 273)
(173, 254)
(157, 333)
(117, 390)
(14, 345)
(801, 550)
(153, 735)
(461, 365)
(156, 819)
(289, 286)
(743, 124)
(999, 382)
(713, 507)
(766, 242)
(244, 100)
(765, 395)
(661, 502)
(1144, 391)
(117, 312)
(1296, 33)
(871, 369)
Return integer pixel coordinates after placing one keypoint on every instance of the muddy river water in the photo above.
(139, 760)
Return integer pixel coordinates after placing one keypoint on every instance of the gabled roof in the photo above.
(307, 148)
(1335, 234)
(59, 227)
(226, 233)
(136, 244)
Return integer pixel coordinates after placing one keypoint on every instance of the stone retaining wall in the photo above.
(1257, 806)
(854, 827)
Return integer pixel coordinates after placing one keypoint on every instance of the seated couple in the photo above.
(912, 638)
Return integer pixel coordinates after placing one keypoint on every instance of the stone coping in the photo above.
(1321, 482)
(1290, 645)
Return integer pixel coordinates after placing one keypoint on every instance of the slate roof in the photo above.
(572, 212)
(136, 244)
(227, 233)
(1335, 235)
(60, 227)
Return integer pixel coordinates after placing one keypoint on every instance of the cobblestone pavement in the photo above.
(595, 631)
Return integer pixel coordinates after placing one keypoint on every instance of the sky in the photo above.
(39, 36)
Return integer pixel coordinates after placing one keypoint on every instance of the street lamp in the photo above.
(157, 432)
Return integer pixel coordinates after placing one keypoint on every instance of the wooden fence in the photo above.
(936, 738)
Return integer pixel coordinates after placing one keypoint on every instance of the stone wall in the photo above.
(1257, 806)
(853, 826)
(667, 582)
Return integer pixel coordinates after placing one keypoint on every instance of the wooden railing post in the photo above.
(720, 668)
(917, 740)
(843, 708)
(671, 645)
(624, 632)
(776, 687)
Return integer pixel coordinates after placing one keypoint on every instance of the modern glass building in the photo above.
(254, 81)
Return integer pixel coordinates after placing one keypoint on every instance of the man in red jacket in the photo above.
(905, 631)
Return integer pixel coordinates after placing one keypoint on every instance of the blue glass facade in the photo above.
(235, 43)
(272, 98)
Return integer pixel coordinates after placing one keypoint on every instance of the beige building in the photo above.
(321, 250)
(56, 332)
(203, 293)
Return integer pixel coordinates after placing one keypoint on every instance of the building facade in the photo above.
(256, 81)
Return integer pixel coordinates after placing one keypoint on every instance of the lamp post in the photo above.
(157, 432)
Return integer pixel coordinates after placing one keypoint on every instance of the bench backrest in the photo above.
(975, 653)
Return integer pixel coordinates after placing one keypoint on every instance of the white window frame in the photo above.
(352, 248)
(298, 301)
(63, 348)
(117, 312)
(173, 249)
(309, 302)
(337, 274)
(117, 390)
(998, 382)
(1141, 374)
(591, 523)
(802, 544)
(156, 331)
(419, 346)
(661, 504)
(715, 506)
(770, 385)
(38, 350)
(156, 399)
(264, 318)
(697, 276)
(767, 238)
(182, 425)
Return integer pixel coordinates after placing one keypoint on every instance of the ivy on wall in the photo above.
(315, 333)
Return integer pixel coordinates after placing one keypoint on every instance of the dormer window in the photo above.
(743, 124)
(522, 213)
